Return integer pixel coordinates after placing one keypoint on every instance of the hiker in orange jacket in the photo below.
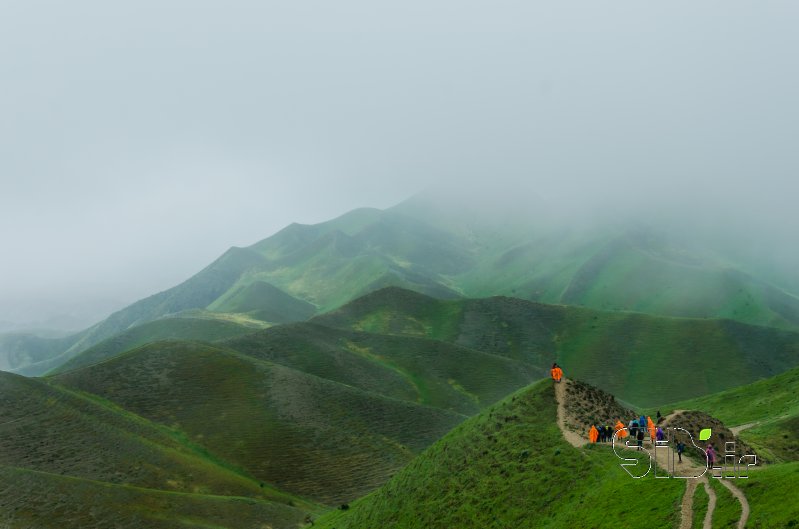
(650, 425)
(593, 434)
(620, 428)
(556, 372)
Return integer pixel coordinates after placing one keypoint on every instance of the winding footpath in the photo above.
(711, 503)
(741, 497)
(574, 438)
(687, 508)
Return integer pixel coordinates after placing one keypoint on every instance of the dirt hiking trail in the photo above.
(574, 438)
(687, 467)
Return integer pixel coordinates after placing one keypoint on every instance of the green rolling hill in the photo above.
(532, 251)
(643, 359)
(43, 500)
(777, 440)
(308, 436)
(181, 432)
(471, 352)
(439, 251)
(58, 447)
(763, 400)
(768, 408)
(452, 249)
(176, 328)
(262, 301)
(198, 292)
(421, 370)
(511, 467)
(29, 354)
(50, 428)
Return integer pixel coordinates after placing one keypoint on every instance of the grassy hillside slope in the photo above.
(642, 359)
(764, 399)
(28, 354)
(511, 467)
(777, 440)
(263, 301)
(420, 370)
(769, 409)
(200, 329)
(771, 493)
(69, 459)
(197, 292)
(643, 273)
(309, 436)
(611, 268)
(52, 429)
(536, 252)
(38, 499)
(415, 369)
(333, 262)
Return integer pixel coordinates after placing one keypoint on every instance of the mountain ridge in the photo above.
(461, 250)
(670, 355)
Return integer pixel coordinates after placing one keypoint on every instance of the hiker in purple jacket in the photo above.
(711, 455)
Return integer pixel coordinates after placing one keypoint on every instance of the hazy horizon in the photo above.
(139, 142)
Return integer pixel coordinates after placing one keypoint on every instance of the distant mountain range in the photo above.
(451, 249)
(643, 359)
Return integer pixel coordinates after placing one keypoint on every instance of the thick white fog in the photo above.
(139, 140)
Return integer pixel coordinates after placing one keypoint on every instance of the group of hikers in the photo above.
(602, 434)
(636, 428)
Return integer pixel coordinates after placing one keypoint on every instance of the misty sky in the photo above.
(139, 140)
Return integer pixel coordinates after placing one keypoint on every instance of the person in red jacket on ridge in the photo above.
(556, 372)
